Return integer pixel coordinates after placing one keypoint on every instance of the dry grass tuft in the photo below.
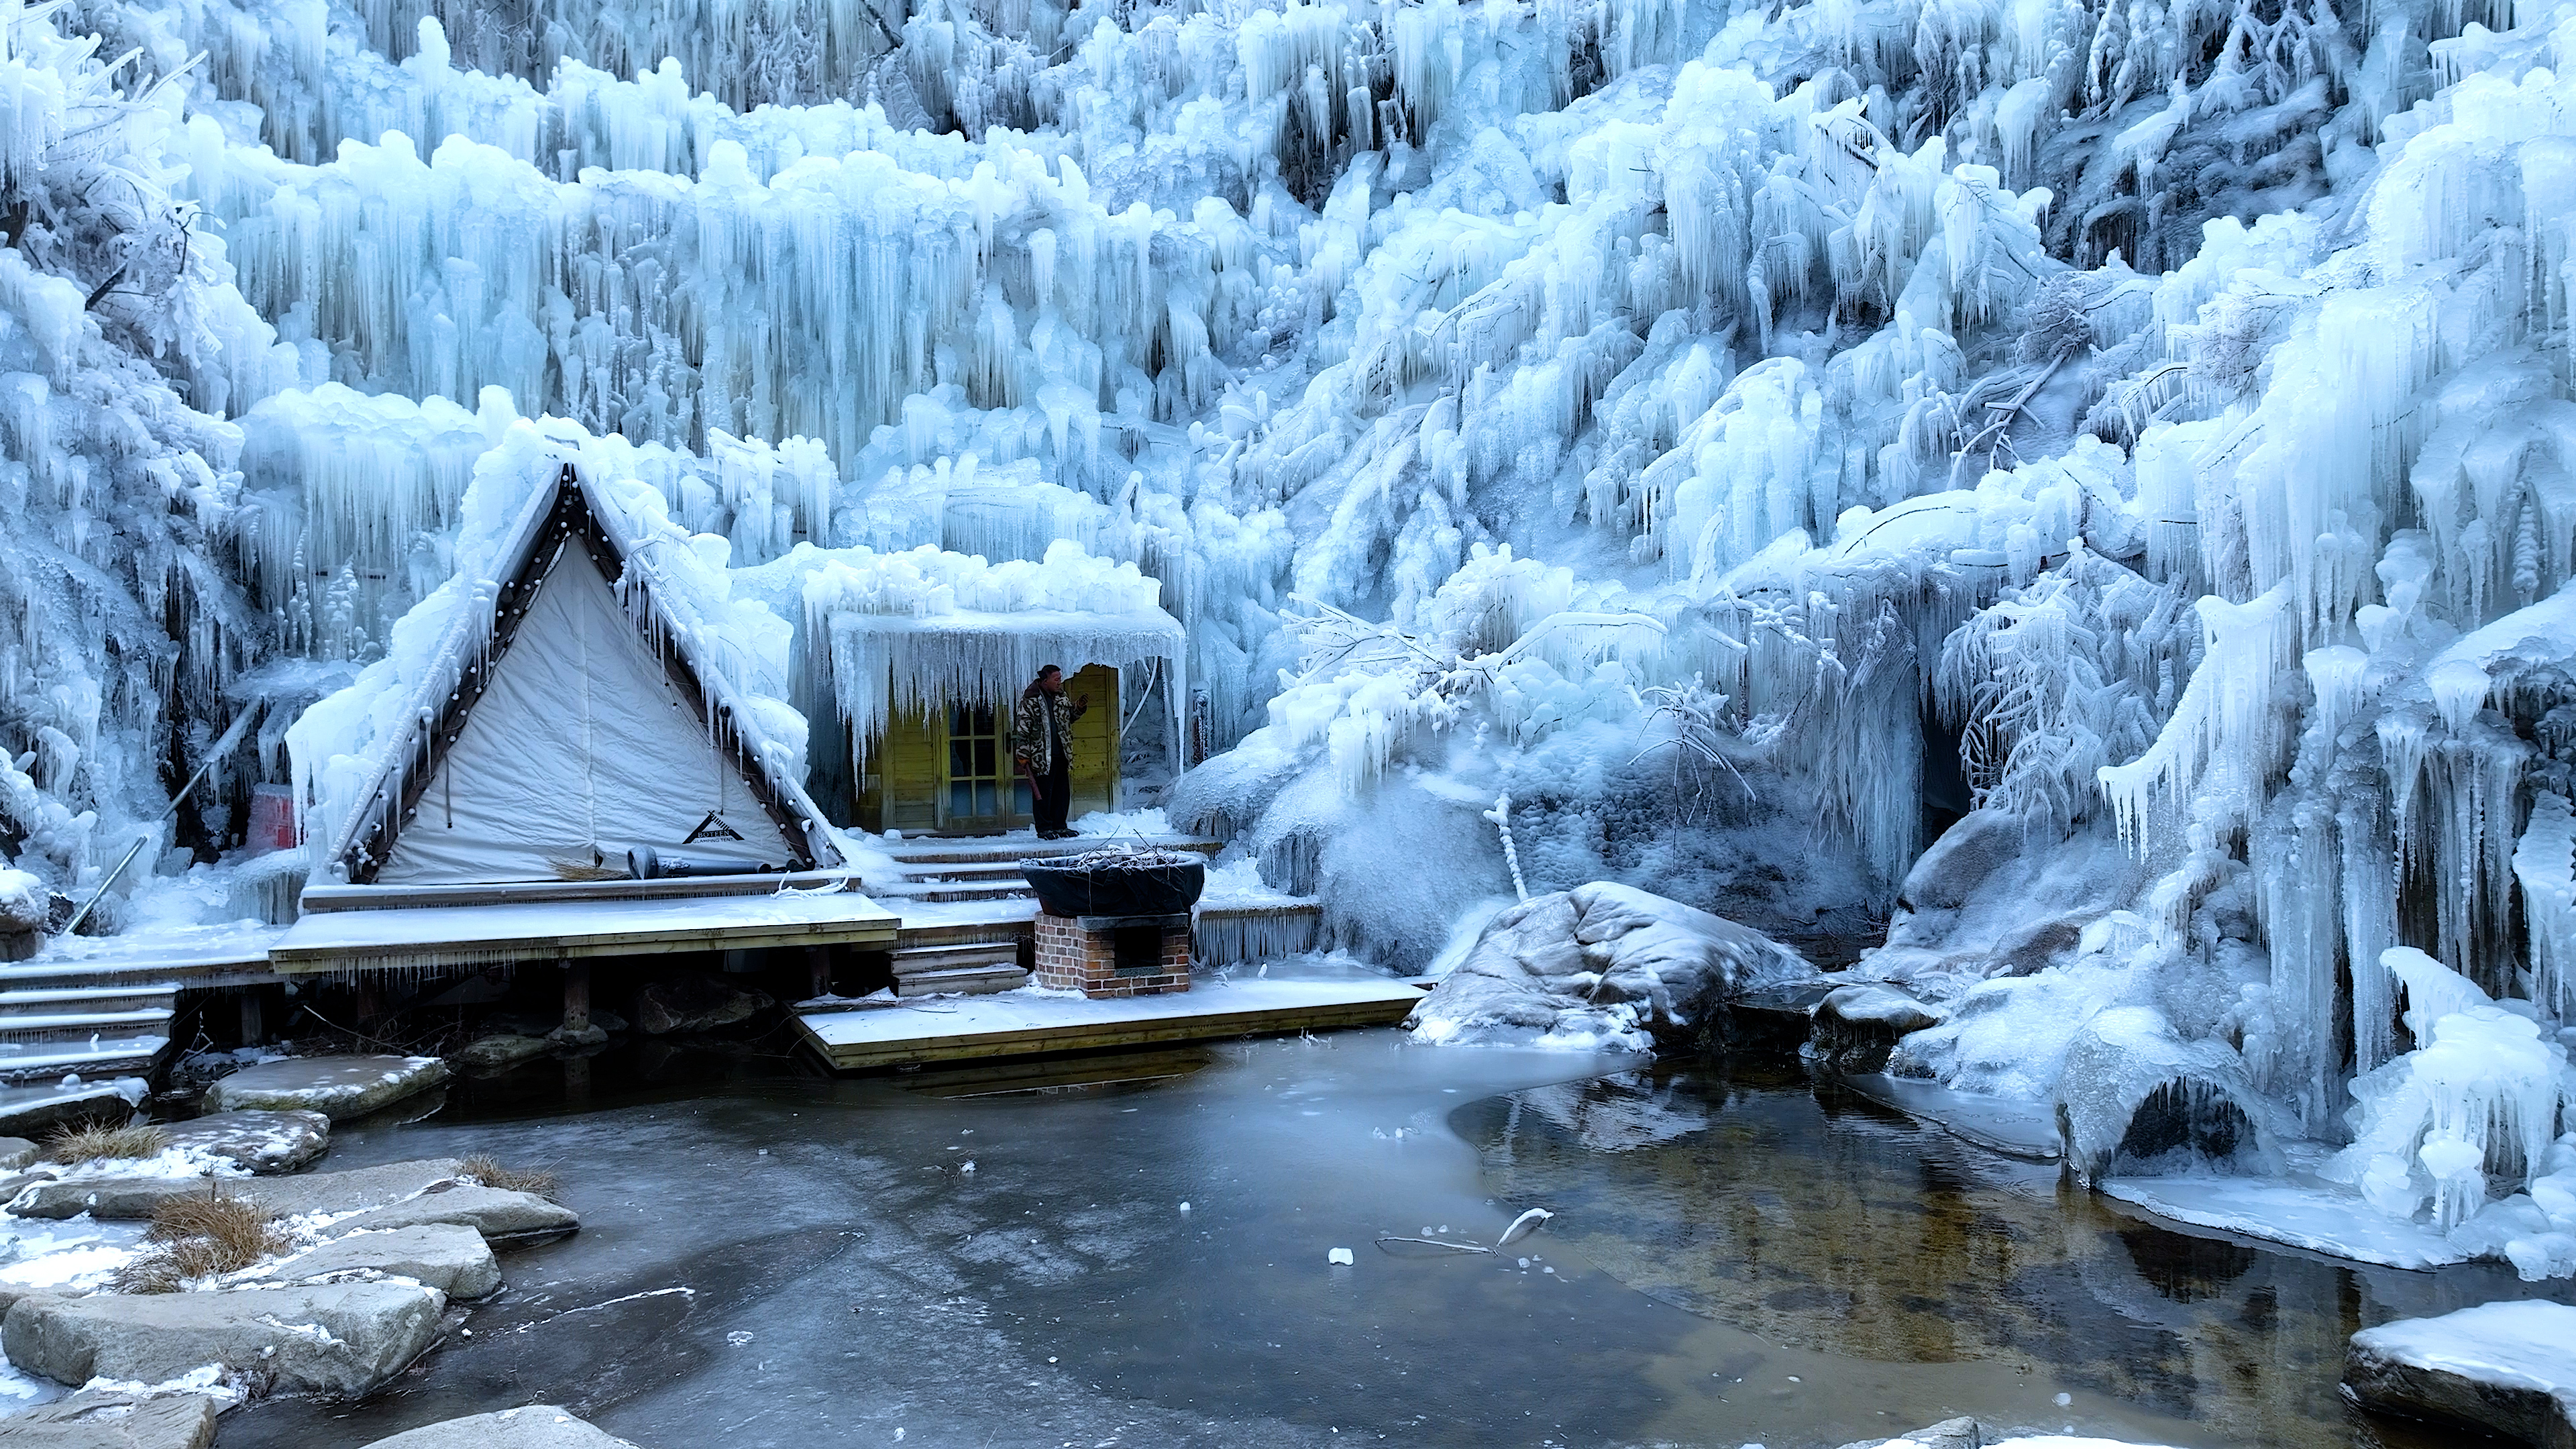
(489, 1172)
(200, 1237)
(98, 1141)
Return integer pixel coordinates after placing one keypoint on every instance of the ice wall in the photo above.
(1746, 435)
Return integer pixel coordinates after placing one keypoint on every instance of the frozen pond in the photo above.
(775, 1259)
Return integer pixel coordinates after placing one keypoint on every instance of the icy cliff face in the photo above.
(1743, 434)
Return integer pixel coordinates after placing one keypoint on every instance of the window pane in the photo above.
(984, 757)
(961, 799)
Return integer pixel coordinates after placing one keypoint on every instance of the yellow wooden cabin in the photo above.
(947, 768)
(927, 703)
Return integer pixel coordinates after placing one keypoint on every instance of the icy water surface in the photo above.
(775, 1259)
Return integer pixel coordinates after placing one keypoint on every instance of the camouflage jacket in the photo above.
(1031, 741)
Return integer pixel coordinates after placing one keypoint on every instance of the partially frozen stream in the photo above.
(784, 1260)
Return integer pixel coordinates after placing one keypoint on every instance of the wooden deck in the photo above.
(568, 925)
(1028, 1022)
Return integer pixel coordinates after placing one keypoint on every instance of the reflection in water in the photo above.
(1819, 1220)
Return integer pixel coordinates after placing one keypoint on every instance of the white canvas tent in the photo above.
(575, 725)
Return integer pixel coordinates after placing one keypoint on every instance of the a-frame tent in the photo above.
(576, 725)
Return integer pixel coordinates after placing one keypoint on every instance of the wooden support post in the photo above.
(576, 997)
(818, 969)
(254, 1027)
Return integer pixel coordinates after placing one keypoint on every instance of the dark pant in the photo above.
(1054, 792)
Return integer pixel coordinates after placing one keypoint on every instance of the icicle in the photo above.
(2544, 863)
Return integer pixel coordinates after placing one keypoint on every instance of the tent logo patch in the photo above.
(712, 828)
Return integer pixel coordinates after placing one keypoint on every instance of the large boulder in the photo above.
(107, 1196)
(538, 1426)
(2499, 1368)
(1602, 965)
(2136, 1098)
(1856, 1027)
(262, 1142)
(17, 1152)
(695, 1003)
(505, 1219)
(115, 1421)
(339, 1087)
(450, 1257)
(342, 1340)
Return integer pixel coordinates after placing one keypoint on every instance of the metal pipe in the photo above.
(223, 746)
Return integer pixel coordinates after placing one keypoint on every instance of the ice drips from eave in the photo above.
(887, 634)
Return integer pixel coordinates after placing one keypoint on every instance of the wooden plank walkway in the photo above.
(421, 936)
(1028, 1022)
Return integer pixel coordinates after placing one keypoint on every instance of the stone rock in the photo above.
(1774, 1018)
(341, 1340)
(33, 1112)
(340, 1087)
(16, 1152)
(695, 1003)
(418, 1107)
(589, 1036)
(25, 904)
(339, 1192)
(312, 1192)
(1960, 1433)
(2035, 947)
(608, 1021)
(1857, 1026)
(499, 1052)
(102, 1196)
(538, 1426)
(505, 1219)
(2134, 1096)
(261, 1142)
(2502, 1368)
(450, 1257)
(1605, 963)
(115, 1421)
(1952, 867)
(10, 1293)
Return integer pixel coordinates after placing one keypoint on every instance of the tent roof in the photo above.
(566, 515)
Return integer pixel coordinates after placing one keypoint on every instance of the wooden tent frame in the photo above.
(555, 518)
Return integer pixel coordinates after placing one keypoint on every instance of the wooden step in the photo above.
(932, 891)
(81, 1026)
(965, 933)
(997, 871)
(917, 960)
(109, 1055)
(51, 1000)
(972, 849)
(964, 980)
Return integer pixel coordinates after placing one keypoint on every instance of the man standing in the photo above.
(1042, 742)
